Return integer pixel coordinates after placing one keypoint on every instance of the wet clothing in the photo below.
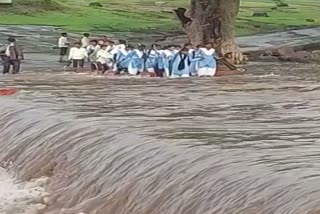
(12, 56)
(180, 65)
(103, 67)
(63, 51)
(104, 59)
(159, 60)
(122, 60)
(207, 65)
(14, 52)
(78, 63)
(104, 56)
(167, 57)
(77, 56)
(92, 51)
(135, 63)
(151, 61)
(195, 57)
(159, 66)
(7, 63)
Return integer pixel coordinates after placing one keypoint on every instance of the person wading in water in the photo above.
(77, 56)
(63, 45)
(12, 56)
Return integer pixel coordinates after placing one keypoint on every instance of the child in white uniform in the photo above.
(77, 56)
(92, 50)
(104, 58)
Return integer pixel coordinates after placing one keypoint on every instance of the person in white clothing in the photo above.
(85, 41)
(63, 45)
(104, 58)
(168, 55)
(92, 51)
(116, 52)
(77, 56)
(207, 65)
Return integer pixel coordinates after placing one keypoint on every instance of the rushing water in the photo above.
(238, 144)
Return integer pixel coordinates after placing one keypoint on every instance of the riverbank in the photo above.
(151, 16)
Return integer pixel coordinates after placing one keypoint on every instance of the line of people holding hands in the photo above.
(171, 61)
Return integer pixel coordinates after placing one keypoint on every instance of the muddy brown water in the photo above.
(236, 144)
(239, 144)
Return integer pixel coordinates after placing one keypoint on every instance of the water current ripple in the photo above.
(243, 144)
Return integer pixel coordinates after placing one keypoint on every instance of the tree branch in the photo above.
(180, 13)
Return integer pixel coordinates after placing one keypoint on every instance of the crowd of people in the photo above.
(104, 55)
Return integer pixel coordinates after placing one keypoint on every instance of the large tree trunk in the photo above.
(212, 21)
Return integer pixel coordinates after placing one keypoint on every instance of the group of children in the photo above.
(171, 61)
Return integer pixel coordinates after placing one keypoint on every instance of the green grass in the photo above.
(145, 16)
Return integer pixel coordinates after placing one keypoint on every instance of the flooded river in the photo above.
(242, 144)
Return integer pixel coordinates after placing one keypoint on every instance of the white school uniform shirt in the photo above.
(90, 48)
(8, 49)
(85, 42)
(63, 42)
(117, 48)
(168, 53)
(104, 56)
(153, 52)
(114, 51)
(139, 53)
(209, 52)
(190, 51)
(160, 52)
(124, 52)
(92, 52)
(78, 53)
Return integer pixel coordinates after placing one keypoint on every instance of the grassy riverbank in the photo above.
(152, 15)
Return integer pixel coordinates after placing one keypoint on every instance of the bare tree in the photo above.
(212, 21)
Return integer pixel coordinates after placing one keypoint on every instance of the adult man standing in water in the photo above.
(63, 45)
(12, 55)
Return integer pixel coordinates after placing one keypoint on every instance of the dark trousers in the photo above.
(103, 67)
(159, 72)
(94, 66)
(78, 63)
(7, 63)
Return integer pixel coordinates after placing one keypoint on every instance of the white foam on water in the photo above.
(270, 75)
(19, 197)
